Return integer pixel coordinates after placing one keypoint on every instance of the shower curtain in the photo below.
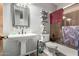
(56, 23)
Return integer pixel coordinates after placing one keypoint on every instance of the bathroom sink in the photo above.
(21, 35)
(28, 42)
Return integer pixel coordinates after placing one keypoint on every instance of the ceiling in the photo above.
(61, 5)
(58, 5)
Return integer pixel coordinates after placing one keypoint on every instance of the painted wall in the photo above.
(10, 46)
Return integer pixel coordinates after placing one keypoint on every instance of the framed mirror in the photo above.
(20, 15)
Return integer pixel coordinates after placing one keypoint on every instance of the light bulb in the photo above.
(64, 17)
(68, 19)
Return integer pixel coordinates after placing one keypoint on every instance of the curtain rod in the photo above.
(68, 5)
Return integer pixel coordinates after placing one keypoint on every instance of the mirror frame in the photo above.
(13, 17)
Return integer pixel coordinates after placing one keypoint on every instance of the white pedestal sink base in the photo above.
(28, 42)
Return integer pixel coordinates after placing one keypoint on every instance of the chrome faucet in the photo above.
(22, 31)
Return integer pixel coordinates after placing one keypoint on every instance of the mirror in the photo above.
(20, 15)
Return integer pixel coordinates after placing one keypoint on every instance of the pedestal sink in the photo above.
(28, 42)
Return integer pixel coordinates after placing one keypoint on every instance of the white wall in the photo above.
(10, 46)
(35, 24)
(35, 16)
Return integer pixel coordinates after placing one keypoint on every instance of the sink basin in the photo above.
(21, 35)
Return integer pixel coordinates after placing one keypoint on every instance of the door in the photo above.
(1, 28)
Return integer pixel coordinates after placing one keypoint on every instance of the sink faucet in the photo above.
(22, 31)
